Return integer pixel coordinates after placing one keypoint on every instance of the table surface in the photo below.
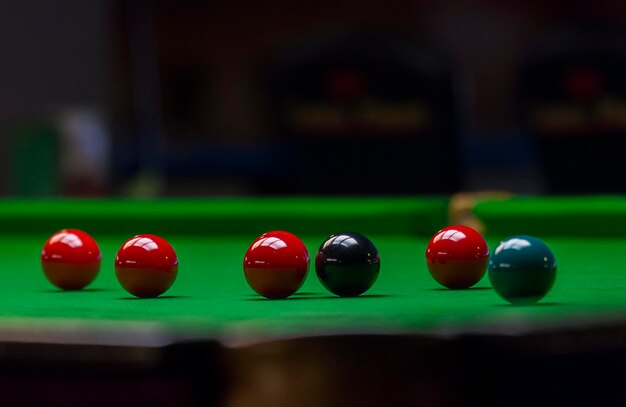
(211, 340)
(211, 297)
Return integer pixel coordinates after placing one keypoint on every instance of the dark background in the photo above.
(163, 98)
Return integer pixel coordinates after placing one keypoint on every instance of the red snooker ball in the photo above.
(457, 257)
(276, 264)
(71, 259)
(146, 266)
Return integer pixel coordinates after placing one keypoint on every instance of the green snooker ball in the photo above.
(522, 269)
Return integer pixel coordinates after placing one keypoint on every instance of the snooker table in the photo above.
(211, 340)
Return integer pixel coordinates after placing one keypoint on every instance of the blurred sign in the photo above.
(367, 118)
(605, 115)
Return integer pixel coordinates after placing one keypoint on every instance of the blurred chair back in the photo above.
(367, 115)
(573, 93)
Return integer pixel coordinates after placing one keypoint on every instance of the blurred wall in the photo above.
(53, 53)
(191, 72)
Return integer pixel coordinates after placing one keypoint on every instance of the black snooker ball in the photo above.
(522, 269)
(347, 264)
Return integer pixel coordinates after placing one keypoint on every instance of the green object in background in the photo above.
(34, 160)
(575, 216)
(228, 216)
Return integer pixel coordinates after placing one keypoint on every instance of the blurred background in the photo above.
(210, 98)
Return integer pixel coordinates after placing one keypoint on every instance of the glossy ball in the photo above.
(70, 259)
(276, 264)
(522, 269)
(457, 257)
(146, 266)
(347, 264)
